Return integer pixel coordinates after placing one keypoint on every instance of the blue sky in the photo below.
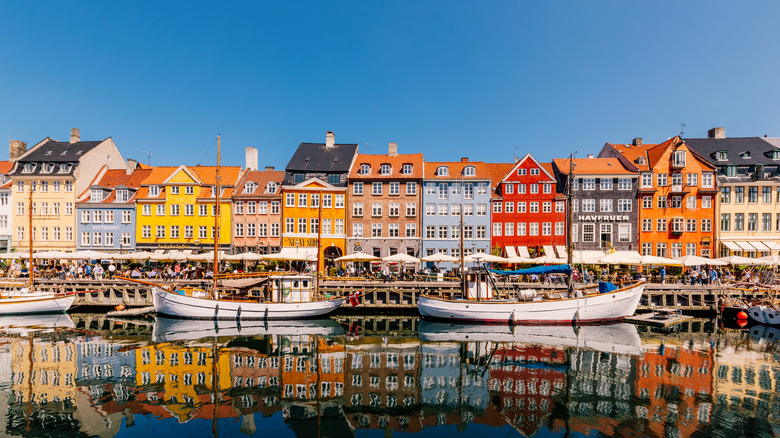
(486, 79)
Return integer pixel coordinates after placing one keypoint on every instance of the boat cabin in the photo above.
(292, 289)
(479, 285)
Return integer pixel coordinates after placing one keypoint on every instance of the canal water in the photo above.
(85, 375)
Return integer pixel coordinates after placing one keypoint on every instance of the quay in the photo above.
(401, 296)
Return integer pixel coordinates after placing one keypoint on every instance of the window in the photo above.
(274, 207)
(624, 183)
(588, 205)
(624, 205)
(497, 228)
(660, 249)
(96, 195)
(692, 179)
(647, 202)
(395, 188)
(706, 225)
(442, 171)
(690, 225)
(394, 209)
(676, 249)
(239, 230)
(302, 200)
(160, 209)
(189, 190)
(442, 191)
(301, 225)
(153, 190)
(766, 195)
(588, 232)
(725, 195)
(202, 231)
(509, 207)
(739, 194)
(496, 207)
(411, 209)
(442, 234)
(376, 209)
(334, 178)
(752, 222)
(55, 208)
(752, 194)
(521, 171)
(239, 207)
(605, 231)
(468, 191)
(411, 230)
(605, 205)
(534, 207)
(739, 221)
(365, 169)
(647, 225)
(357, 230)
(707, 179)
(384, 169)
(406, 169)
(68, 186)
(662, 202)
(85, 238)
(660, 225)
(647, 180)
(521, 189)
(546, 228)
(376, 188)
(376, 230)
(647, 249)
(357, 209)
(706, 202)
(174, 231)
(560, 206)
(690, 201)
(174, 190)
(174, 209)
(663, 179)
(605, 184)
(85, 216)
(327, 201)
(469, 171)
(289, 200)
(393, 230)
(725, 222)
(766, 221)
(624, 232)
(411, 188)
(509, 228)
(547, 188)
(125, 239)
(534, 171)
(678, 159)
(533, 188)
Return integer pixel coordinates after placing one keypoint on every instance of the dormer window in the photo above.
(29, 168)
(406, 169)
(384, 169)
(271, 187)
(678, 158)
(745, 155)
(154, 190)
(65, 168)
(250, 187)
(365, 169)
(48, 168)
(122, 195)
(776, 155)
(721, 156)
(442, 171)
(641, 161)
(96, 195)
(469, 171)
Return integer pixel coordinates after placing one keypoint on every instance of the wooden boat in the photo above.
(618, 338)
(170, 329)
(766, 312)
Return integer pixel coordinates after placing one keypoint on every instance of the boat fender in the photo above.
(216, 310)
(513, 318)
(576, 319)
(742, 315)
(265, 314)
(238, 313)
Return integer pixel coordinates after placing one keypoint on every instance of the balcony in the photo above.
(679, 189)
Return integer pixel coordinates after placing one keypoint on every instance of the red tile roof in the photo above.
(396, 162)
(592, 166)
(261, 178)
(455, 167)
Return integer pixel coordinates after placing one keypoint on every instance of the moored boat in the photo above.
(22, 302)
(766, 312)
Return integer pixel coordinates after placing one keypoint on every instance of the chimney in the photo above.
(717, 133)
(590, 156)
(392, 149)
(330, 139)
(16, 148)
(464, 159)
(131, 165)
(251, 158)
(75, 137)
(269, 168)
(637, 141)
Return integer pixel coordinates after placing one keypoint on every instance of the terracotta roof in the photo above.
(455, 167)
(396, 162)
(497, 171)
(655, 153)
(208, 174)
(633, 153)
(158, 175)
(261, 178)
(5, 167)
(592, 166)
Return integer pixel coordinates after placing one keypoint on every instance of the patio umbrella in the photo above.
(207, 257)
(772, 259)
(357, 257)
(401, 257)
(289, 253)
(483, 257)
(738, 260)
(692, 260)
(518, 259)
(436, 258)
(622, 258)
(655, 260)
(548, 259)
(245, 256)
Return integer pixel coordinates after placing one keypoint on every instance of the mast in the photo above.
(569, 222)
(319, 237)
(464, 288)
(30, 266)
(216, 218)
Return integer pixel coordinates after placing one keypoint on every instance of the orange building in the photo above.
(676, 196)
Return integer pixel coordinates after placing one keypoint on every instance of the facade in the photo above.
(6, 208)
(604, 203)
(748, 175)
(384, 204)
(317, 171)
(676, 196)
(257, 212)
(55, 172)
(106, 213)
(175, 208)
(531, 211)
(448, 189)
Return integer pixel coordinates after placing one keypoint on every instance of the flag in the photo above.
(354, 330)
(354, 298)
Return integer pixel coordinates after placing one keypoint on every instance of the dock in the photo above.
(660, 317)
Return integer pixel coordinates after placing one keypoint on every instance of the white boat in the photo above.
(21, 302)
(584, 305)
(765, 312)
(170, 329)
(618, 338)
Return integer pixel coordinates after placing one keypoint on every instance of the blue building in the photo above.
(106, 213)
(450, 188)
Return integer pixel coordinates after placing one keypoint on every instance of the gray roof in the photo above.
(736, 149)
(315, 157)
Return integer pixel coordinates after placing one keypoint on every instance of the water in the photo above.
(382, 376)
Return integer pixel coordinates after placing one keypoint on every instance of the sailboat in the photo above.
(285, 296)
(27, 300)
(479, 303)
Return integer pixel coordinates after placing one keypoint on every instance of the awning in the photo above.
(510, 251)
(522, 251)
(731, 245)
(760, 246)
(561, 251)
(771, 245)
(745, 246)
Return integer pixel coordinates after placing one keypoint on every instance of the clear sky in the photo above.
(483, 79)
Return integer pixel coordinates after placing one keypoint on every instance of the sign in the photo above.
(602, 218)
(105, 227)
(299, 241)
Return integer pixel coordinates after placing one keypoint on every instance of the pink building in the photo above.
(257, 212)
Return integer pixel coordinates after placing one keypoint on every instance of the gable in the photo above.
(183, 175)
(528, 162)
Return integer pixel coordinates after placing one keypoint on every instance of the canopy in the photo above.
(357, 256)
(290, 253)
(207, 256)
(401, 257)
(654, 260)
(440, 258)
(14, 255)
(587, 257)
(548, 259)
(692, 260)
(772, 259)
(737, 260)
(519, 259)
(536, 270)
(483, 257)
(86, 255)
(50, 255)
(245, 283)
(135, 256)
(622, 258)
(246, 256)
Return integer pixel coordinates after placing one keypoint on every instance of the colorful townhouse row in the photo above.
(709, 197)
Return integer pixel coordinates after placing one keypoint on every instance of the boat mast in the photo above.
(570, 222)
(464, 288)
(216, 218)
(319, 237)
(30, 266)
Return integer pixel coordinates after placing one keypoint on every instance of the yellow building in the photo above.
(56, 172)
(175, 208)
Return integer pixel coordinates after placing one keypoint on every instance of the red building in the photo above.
(529, 213)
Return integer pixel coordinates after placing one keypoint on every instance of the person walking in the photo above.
(663, 274)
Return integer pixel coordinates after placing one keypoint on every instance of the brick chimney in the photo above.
(15, 149)
(251, 158)
(392, 149)
(330, 139)
(637, 141)
(131, 166)
(269, 168)
(75, 137)
(719, 132)
(464, 159)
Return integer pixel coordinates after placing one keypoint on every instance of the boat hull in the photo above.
(764, 314)
(593, 308)
(184, 306)
(25, 304)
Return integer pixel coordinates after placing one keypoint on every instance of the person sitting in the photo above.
(135, 274)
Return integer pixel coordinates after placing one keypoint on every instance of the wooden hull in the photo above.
(592, 308)
(184, 306)
(170, 329)
(33, 303)
(618, 338)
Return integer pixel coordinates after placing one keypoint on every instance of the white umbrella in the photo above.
(622, 258)
(356, 257)
(50, 255)
(655, 260)
(85, 255)
(401, 257)
(289, 253)
(135, 256)
(587, 257)
(519, 259)
(246, 256)
(738, 260)
(436, 258)
(548, 259)
(14, 255)
(207, 257)
(483, 257)
(772, 259)
(692, 260)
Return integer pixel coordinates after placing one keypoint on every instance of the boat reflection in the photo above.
(25, 324)
(174, 329)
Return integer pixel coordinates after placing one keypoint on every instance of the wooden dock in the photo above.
(660, 317)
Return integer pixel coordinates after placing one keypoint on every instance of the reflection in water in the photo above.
(69, 378)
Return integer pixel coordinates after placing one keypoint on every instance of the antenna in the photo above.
(149, 156)
(367, 146)
(682, 129)
(515, 156)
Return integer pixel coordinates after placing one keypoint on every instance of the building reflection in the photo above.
(338, 385)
